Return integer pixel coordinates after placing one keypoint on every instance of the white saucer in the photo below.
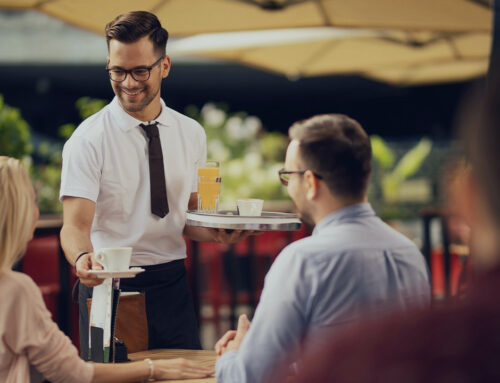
(130, 273)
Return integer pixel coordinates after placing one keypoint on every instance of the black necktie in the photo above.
(159, 201)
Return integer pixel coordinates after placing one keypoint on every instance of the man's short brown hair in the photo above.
(132, 26)
(338, 149)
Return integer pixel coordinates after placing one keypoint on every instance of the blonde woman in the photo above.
(28, 336)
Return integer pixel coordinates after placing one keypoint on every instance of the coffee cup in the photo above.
(249, 207)
(114, 258)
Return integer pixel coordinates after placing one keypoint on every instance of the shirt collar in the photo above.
(351, 211)
(126, 121)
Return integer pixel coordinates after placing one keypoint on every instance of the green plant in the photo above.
(393, 178)
(407, 166)
(14, 132)
(46, 173)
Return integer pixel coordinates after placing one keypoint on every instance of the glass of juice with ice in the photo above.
(209, 187)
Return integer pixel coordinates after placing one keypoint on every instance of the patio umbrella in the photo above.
(187, 17)
(393, 56)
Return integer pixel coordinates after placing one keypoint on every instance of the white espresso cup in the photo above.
(114, 258)
(250, 207)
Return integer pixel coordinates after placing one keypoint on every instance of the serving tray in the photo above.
(227, 219)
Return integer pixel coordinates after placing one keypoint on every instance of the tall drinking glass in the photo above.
(209, 187)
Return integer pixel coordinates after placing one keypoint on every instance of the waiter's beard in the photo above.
(143, 100)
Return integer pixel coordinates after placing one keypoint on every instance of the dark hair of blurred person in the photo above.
(460, 342)
(130, 27)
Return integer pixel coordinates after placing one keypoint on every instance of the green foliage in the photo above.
(273, 146)
(88, 106)
(14, 132)
(65, 131)
(250, 157)
(46, 173)
(390, 176)
(411, 161)
(381, 152)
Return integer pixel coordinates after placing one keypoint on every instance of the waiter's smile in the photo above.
(132, 92)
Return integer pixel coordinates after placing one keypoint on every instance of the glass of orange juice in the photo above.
(209, 187)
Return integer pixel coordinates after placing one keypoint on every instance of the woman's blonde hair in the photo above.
(16, 211)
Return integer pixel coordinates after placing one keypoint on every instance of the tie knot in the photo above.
(151, 129)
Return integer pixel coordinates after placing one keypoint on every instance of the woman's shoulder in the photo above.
(16, 284)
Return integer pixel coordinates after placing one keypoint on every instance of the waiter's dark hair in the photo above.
(132, 26)
(338, 149)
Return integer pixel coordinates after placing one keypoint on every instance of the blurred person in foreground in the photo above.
(352, 267)
(460, 342)
(28, 336)
(128, 177)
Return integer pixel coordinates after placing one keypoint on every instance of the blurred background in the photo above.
(246, 70)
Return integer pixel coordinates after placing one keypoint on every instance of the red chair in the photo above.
(460, 268)
(221, 268)
(41, 263)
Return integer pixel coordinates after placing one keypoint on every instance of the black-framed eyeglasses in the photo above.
(140, 73)
(285, 175)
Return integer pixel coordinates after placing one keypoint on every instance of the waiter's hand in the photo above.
(231, 340)
(85, 263)
(231, 236)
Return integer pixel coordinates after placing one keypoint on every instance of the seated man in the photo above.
(353, 265)
(460, 342)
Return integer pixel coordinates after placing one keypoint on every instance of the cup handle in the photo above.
(99, 257)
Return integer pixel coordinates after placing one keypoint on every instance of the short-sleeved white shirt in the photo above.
(106, 161)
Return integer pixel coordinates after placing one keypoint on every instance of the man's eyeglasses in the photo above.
(140, 73)
(285, 175)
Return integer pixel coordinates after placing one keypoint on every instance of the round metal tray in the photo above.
(225, 219)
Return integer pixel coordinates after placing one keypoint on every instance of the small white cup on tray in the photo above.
(250, 207)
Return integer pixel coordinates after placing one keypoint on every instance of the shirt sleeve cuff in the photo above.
(222, 363)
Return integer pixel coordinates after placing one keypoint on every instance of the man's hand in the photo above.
(231, 340)
(231, 236)
(83, 265)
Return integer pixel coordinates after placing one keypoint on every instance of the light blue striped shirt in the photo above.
(353, 266)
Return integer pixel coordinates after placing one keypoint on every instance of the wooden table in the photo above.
(205, 358)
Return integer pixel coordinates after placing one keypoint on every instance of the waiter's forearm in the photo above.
(75, 240)
(78, 214)
(199, 234)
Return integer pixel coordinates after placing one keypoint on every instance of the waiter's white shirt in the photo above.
(106, 161)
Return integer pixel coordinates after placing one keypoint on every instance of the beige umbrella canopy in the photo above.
(392, 56)
(187, 17)
(431, 73)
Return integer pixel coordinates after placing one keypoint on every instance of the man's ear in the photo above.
(312, 185)
(165, 64)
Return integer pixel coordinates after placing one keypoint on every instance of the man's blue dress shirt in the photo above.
(353, 266)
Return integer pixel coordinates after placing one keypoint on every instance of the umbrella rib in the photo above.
(43, 2)
(436, 39)
(315, 56)
(324, 14)
(273, 5)
(453, 47)
(483, 3)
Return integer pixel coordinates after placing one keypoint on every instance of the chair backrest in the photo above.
(131, 325)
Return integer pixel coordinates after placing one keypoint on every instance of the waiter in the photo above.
(128, 177)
